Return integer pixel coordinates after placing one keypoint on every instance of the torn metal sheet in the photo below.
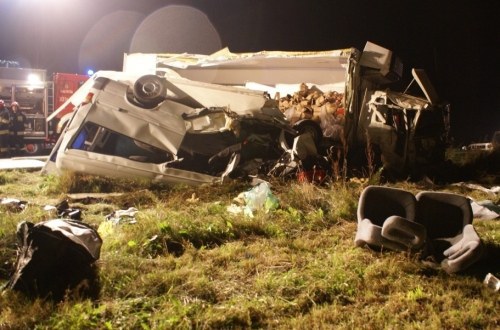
(24, 163)
(236, 69)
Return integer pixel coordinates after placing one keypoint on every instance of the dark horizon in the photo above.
(454, 42)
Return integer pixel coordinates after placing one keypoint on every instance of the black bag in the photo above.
(55, 258)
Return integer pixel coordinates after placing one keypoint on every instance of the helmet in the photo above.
(14, 104)
(2, 102)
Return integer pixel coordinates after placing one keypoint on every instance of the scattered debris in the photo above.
(123, 216)
(26, 163)
(492, 282)
(260, 197)
(63, 210)
(493, 191)
(56, 257)
(485, 210)
(13, 204)
(85, 196)
(437, 224)
(193, 199)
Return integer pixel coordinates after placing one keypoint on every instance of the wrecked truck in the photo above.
(197, 119)
(152, 127)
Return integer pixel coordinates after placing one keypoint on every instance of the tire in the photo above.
(150, 90)
(33, 149)
(307, 125)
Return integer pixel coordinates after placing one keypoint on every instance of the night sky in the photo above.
(454, 41)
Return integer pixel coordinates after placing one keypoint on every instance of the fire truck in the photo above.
(39, 97)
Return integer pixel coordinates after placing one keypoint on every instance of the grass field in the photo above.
(188, 263)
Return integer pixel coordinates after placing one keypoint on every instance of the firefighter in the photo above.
(16, 129)
(4, 129)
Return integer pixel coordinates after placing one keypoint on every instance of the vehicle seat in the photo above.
(386, 220)
(448, 220)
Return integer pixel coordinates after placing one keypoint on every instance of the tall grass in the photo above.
(188, 263)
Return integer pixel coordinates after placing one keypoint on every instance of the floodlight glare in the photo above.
(34, 78)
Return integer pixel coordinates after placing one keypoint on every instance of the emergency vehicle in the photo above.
(38, 98)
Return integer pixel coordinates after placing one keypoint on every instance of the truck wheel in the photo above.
(150, 90)
(32, 149)
(307, 125)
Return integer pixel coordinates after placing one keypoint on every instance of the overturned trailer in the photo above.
(199, 119)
